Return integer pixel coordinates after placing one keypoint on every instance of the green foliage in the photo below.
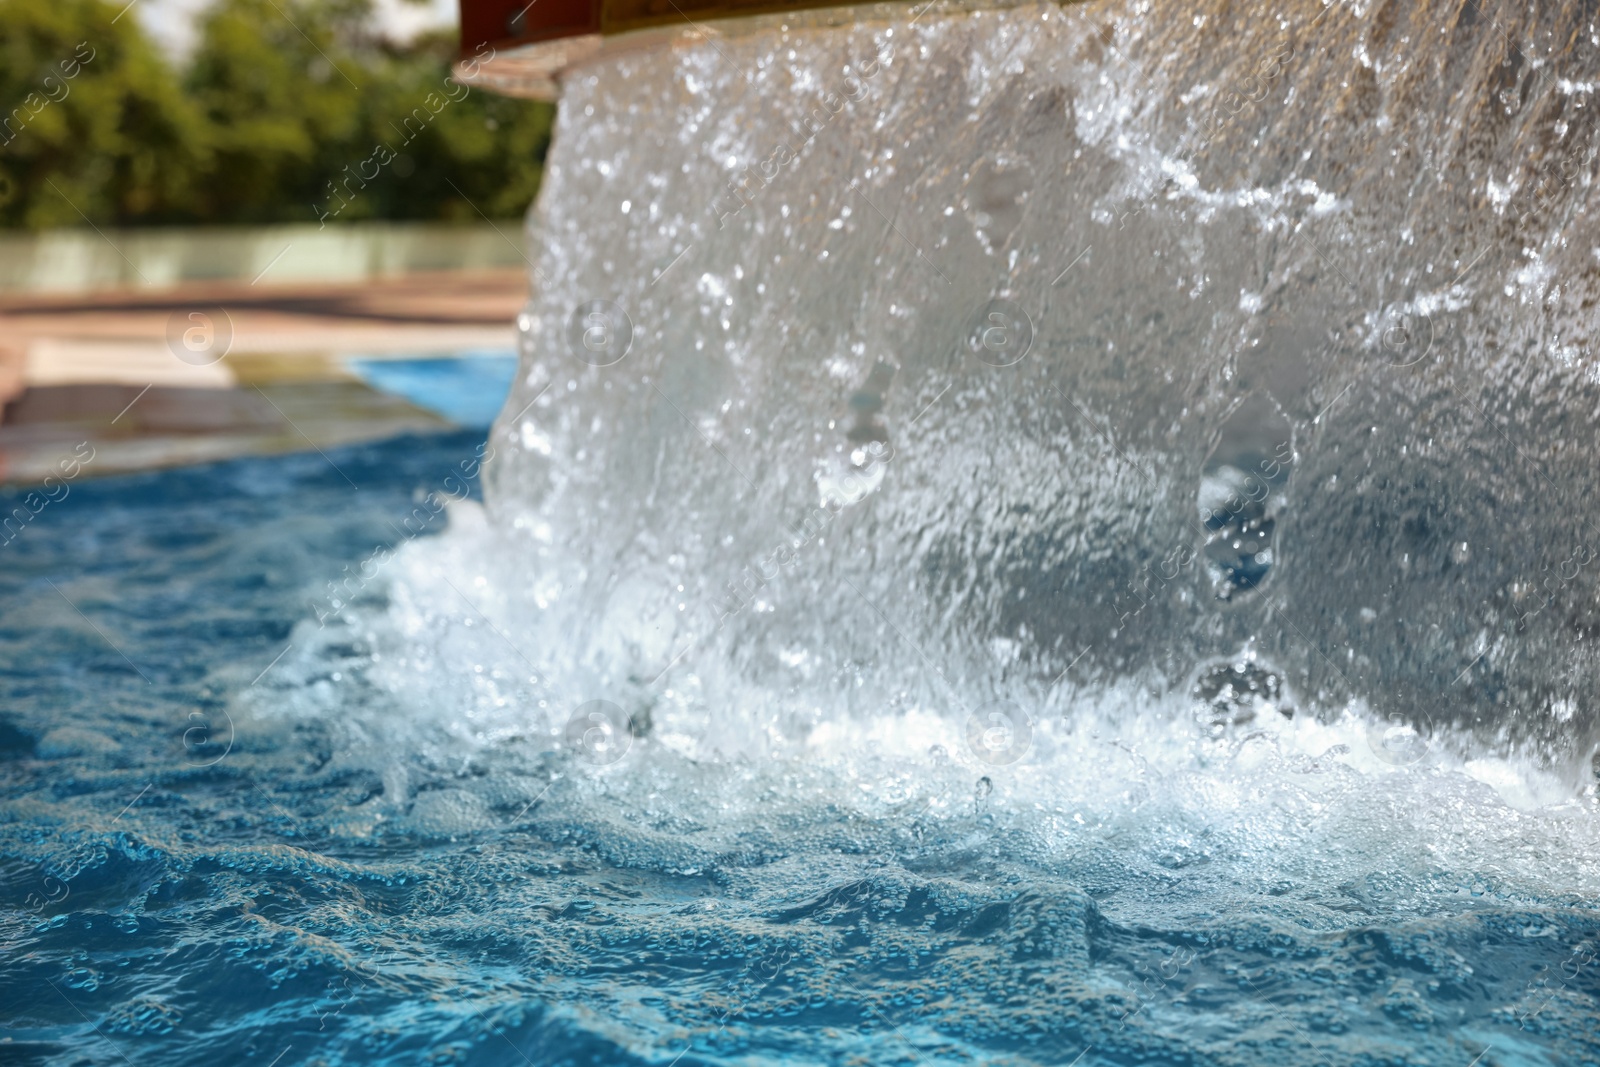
(289, 111)
(277, 103)
(94, 125)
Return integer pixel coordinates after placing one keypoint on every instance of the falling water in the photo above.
(1178, 336)
(1029, 535)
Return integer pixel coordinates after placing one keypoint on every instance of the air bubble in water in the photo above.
(1241, 496)
(994, 200)
(1237, 693)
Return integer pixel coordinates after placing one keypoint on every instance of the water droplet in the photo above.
(995, 196)
(1235, 694)
(1241, 494)
(1398, 739)
(600, 733)
(999, 733)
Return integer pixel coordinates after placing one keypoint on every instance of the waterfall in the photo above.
(1042, 535)
(987, 362)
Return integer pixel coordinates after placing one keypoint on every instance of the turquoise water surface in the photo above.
(228, 836)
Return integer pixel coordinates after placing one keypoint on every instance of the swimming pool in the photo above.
(1089, 564)
(247, 818)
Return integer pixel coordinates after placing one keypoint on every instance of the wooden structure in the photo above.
(519, 48)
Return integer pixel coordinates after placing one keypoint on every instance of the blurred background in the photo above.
(242, 226)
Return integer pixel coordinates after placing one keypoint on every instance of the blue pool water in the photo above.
(241, 823)
(467, 387)
(1086, 563)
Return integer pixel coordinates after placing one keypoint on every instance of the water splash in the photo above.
(1180, 216)
(845, 678)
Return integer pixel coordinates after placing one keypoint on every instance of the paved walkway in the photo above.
(100, 369)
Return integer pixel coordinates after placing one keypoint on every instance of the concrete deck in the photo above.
(99, 368)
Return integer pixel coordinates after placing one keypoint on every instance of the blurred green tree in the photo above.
(280, 90)
(456, 152)
(288, 111)
(94, 127)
